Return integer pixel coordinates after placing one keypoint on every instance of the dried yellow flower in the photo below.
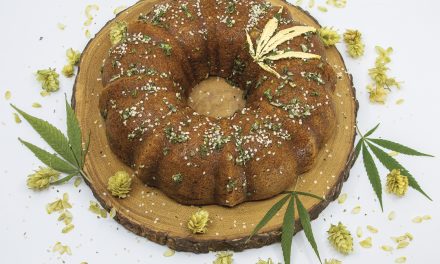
(329, 36)
(356, 210)
(68, 70)
(400, 101)
(60, 248)
(391, 215)
(118, 32)
(67, 228)
(383, 55)
(119, 9)
(112, 213)
(397, 183)
(337, 3)
(42, 178)
(198, 222)
(59, 205)
(322, 9)
(94, 207)
(17, 118)
(366, 243)
(73, 56)
(340, 238)
(224, 257)
(8, 95)
(36, 105)
(268, 261)
(417, 219)
(378, 94)
(77, 181)
(427, 217)
(359, 232)
(342, 198)
(119, 184)
(387, 248)
(353, 40)
(88, 12)
(61, 26)
(49, 80)
(87, 33)
(382, 82)
(402, 244)
(169, 253)
(400, 260)
(66, 217)
(332, 261)
(372, 229)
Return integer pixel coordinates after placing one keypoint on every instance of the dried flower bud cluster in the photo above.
(49, 80)
(61, 206)
(42, 178)
(198, 222)
(73, 57)
(382, 82)
(224, 257)
(329, 36)
(340, 238)
(397, 183)
(353, 40)
(118, 32)
(120, 184)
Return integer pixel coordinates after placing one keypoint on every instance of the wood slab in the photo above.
(149, 213)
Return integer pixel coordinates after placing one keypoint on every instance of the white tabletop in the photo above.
(31, 41)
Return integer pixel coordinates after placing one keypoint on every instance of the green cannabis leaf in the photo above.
(69, 153)
(366, 144)
(288, 227)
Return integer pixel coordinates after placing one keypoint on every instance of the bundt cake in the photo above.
(197, 159)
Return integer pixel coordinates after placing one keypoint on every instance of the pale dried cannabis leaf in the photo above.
(269, 41)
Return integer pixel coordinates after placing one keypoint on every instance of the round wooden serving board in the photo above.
(149, 213)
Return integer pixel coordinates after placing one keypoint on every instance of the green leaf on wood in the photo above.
(390, 163)
(288, 229)
(357, 149)
(51, 160)
(74, 135)
(372, 173)
(397, 147)
(269, 215)
(52, 135)
(309, 195)
(305, 222)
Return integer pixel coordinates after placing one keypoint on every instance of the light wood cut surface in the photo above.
(149, 213)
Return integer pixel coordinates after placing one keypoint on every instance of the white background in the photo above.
(27, 233)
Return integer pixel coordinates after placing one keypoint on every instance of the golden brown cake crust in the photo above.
(252, 155)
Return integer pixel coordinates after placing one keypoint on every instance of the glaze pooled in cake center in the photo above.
(216, 98)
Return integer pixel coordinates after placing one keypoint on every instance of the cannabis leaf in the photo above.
(366, 144)
(288, 227)
(69, 153)
(269, 41)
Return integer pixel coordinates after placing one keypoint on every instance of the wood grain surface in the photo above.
(149, 213)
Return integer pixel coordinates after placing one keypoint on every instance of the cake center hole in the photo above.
(215, 97)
